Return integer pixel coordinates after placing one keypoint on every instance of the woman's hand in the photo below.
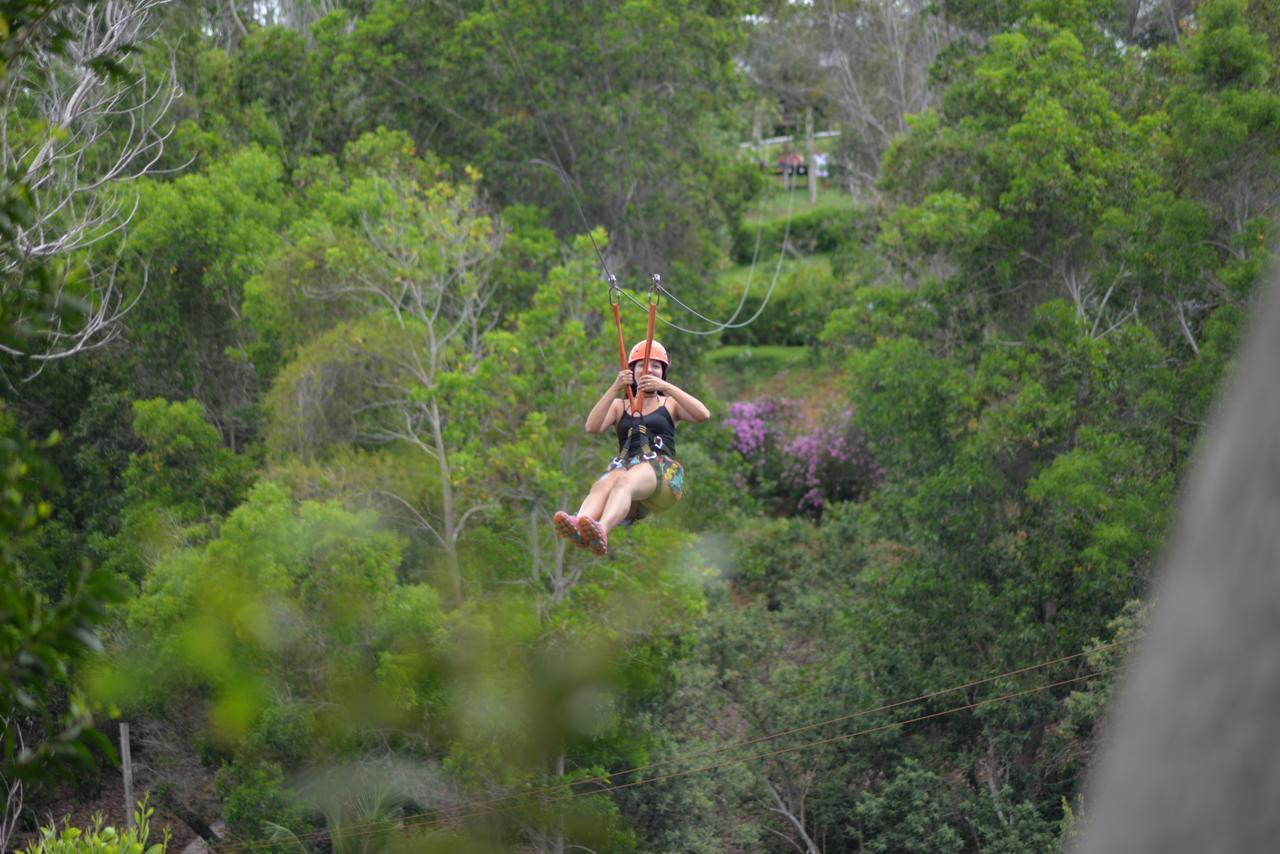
(625, 379)
(653, 384)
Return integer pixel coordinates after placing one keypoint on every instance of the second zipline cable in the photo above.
(504, 803)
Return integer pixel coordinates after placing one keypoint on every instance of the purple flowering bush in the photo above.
(758, 425)
(798, 468)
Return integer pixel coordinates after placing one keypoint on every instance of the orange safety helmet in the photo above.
(657, 353)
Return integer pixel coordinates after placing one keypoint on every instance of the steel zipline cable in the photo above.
(558, 169)
(718, 326)
(444, 817)
(430, 824)
(515, 800)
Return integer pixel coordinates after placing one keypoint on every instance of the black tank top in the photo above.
(661, 432)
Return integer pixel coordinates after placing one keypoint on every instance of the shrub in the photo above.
(97, 839)
(255, 800)
(829, 463)
(821, 230)
(800, 469)
(798, 307)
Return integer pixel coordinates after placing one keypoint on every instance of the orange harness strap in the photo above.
(648, 344)
(614, 299)
(636, 401)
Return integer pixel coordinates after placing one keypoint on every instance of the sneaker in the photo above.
(567, 527)
(593, 535)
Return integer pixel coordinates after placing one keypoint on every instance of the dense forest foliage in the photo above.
(303, 313)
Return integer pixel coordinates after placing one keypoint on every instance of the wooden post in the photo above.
(127, 761)
(808, 154)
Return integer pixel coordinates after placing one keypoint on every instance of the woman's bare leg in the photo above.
(637, 484)
(593, 505)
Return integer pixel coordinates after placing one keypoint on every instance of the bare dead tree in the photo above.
(1151, 22)
(300, 14)
(78, 133)
(1092, 302)
(785, 60)
(877, 59)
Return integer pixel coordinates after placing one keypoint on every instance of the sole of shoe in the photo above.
(567, 526)
(593, 535)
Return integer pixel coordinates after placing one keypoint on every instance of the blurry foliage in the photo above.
(44, 639)
(800, 296)
(1027, 337)
(820, 230)
(909, 814)
(96, 839)
(47, 720)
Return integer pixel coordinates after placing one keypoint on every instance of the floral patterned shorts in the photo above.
(669, 490)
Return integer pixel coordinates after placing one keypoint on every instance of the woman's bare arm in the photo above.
(603, 415)
(688, 407)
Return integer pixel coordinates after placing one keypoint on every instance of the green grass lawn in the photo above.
(732, 279)
(773, 203)
(744, 372)
(757, 356)
(791, 373)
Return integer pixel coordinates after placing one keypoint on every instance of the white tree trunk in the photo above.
(796, 821)
(428, 268)
(448, 514)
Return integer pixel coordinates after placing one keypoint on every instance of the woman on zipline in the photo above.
(644, 477)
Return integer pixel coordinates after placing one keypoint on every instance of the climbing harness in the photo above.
(635, 399)
(670, 477)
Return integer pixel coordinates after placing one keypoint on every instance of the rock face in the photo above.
(1193, 759)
